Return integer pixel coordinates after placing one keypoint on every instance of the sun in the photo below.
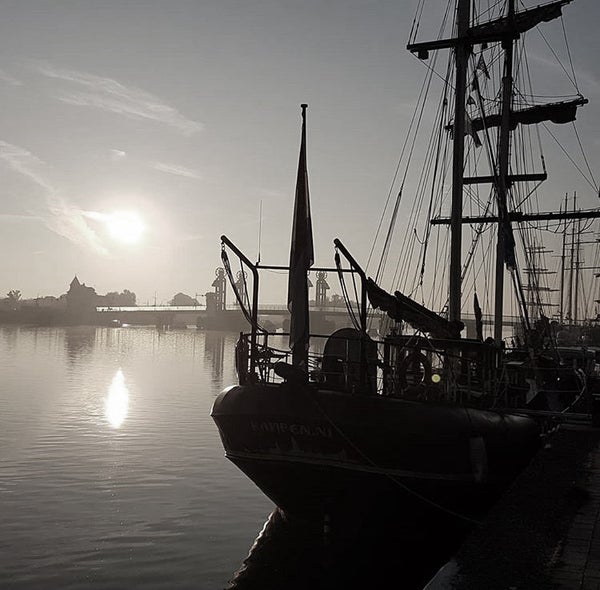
(126, 227)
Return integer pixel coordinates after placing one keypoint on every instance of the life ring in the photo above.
(413, 364)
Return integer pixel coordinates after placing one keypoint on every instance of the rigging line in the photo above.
(259, 229)
(421, 97)
(490, 8)
(407, 244)
(437, 256)
(434, 146)
(562, 22)
(476, 272)
(430, 208)
(414, 211)
(528, 195)
(569, 157)
(356, 296)
(584, 155)
(416, 20)
(432, 70)
(388, 238)
(558, 59)
(527, 77)
(238, 295)
(488, 151)
(342, 280)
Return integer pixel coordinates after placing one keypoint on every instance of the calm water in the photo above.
(112, 474)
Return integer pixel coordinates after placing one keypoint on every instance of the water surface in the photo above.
(112, 474)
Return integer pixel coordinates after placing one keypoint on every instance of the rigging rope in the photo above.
(591, 183)
(239, 296)
(351, 313)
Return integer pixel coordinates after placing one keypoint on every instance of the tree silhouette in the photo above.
(13, 296)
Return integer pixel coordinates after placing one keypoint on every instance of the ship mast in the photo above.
(505, 30)
(461, 51)
(502, 184)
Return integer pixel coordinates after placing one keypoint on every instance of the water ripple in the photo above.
(141, 497)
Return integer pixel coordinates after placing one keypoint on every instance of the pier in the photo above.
(545, 531)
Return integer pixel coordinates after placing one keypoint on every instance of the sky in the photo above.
(184, 116)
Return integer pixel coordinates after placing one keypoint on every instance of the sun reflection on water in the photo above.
(117, 402)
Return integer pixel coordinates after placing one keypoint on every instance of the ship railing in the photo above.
(453, 371)
(246, 293)
(565, 382)
(255, 361)
(420, 369)
(402, 366)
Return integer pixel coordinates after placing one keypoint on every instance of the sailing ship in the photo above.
(422, 426)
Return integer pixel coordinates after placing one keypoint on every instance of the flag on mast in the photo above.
(301, 259)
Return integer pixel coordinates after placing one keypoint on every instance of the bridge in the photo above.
(230, 318)
(217, 314)
(323, 318)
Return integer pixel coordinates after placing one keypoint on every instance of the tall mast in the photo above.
(577, 267)
(502, 181)
(562, 267)
(572, 266)
(462, 56)
(506, 30)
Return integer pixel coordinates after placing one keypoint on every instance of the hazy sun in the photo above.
(125, 226)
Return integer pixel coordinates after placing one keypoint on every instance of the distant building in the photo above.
(81, 301)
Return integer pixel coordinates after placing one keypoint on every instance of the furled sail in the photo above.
(519, 23)
(555, 112)
(507, 27)
(301, 259)
(399, 307)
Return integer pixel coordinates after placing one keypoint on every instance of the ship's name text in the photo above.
(294, 429)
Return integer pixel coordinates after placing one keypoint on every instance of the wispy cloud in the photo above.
(13, 217)
(24, 162)
(106, 94)
(117, 155)
(8, 79)
(177, 170)
(69, 221)
(60, 216)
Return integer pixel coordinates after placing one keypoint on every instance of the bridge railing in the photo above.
(155, 308)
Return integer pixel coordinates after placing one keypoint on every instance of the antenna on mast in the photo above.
(259, 230)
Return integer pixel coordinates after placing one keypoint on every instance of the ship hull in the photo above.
(357, 459)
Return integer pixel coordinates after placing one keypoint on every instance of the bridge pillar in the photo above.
(219, 300)
(321, 290)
